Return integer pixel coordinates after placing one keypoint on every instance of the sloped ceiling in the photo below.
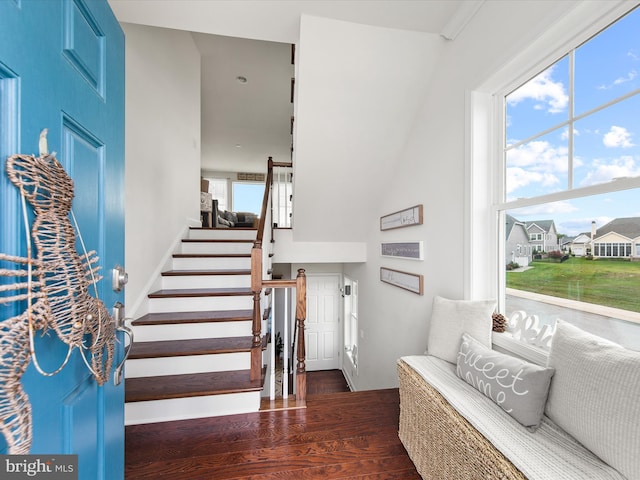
(252, 38)
(243, 124)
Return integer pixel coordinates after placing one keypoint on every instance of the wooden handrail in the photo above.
(258, 284)
(283, 164)
(265, 202)
(279, 283)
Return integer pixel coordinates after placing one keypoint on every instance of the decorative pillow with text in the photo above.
(520, 388)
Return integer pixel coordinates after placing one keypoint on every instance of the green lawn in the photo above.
(614, 283)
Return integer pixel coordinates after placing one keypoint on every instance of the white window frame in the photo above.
(351, 323)
(484, 176)
(219, 189)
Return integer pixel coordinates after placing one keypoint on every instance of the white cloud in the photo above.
(539, 155)
(536, 162)
(605, 171)
(518, 178)
(617, 137)
(550, 94)
(565, 133)
(546, 210)
(620, 80)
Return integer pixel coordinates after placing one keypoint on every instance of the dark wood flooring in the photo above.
(340, 435)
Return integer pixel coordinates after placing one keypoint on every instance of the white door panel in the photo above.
(322, 331)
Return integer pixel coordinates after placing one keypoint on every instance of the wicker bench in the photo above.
(452, 431)
(440, 442)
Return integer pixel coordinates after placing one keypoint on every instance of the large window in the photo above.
(571, 157)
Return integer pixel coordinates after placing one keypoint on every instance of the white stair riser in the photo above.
(212, 263)
(199, 304)
(170, 282)
(191, 407)
(222, 234)
(221, 247)
(185, 331)
(220, 362)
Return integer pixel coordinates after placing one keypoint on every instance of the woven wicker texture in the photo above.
(441, 443)
(15, 409)
(64, 275)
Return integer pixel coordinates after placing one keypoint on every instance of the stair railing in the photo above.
(282, 195)
(260, 280)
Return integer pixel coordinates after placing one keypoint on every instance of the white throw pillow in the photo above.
(595, 396)
(451, 318)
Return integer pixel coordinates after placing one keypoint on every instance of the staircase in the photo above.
(191, 356)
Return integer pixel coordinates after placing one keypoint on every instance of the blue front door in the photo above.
(62, 68)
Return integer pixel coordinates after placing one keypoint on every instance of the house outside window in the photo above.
(571, 153)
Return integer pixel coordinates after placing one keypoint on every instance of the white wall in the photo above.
(162, 172)
(286, 250)
(358, 90)
(431, 171)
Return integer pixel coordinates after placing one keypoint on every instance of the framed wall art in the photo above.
(404, 218)
(410, 250)
(408, 281)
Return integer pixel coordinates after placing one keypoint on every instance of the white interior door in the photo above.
(322, 328)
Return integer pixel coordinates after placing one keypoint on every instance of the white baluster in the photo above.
(272, 386)
(285, 347)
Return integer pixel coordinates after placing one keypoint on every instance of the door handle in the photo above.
(118, 318)
(119, 278)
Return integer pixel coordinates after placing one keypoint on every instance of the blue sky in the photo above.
(606, 143)
(247, 197)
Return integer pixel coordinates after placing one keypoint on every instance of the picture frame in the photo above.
(408, 281)
(408, 250)
(403, 218)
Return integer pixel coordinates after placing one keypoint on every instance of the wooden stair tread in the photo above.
(201, 292)
(175, 273)
(197, 346)
(211, 255)
(167, 318)
(226, 229)
(190, 385)
(217, 240)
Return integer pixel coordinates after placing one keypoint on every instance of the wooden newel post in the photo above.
(256, 288)
(301, 314)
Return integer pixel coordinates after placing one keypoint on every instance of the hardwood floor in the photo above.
(340, 435)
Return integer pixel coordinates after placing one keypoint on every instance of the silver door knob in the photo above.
(119, 278)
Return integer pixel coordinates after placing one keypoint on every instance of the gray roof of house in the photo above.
(509, 223)
(544, 224)
(629, 227)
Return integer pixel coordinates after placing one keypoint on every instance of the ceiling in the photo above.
(244, 123)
